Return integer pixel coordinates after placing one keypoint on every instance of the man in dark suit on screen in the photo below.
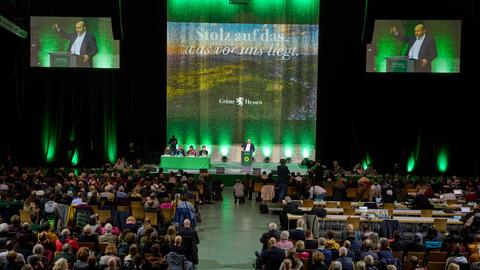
(82, 43)
(421, 47)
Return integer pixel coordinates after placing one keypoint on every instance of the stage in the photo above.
(228, 172)
(235, 168)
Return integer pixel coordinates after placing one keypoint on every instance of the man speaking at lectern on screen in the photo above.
(82, 43)
(421, 48)
(249, 147)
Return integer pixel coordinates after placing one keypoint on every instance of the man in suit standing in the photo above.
(421, 48)
(173, 145)
(82, 43)
(249, 146)
(282, 178)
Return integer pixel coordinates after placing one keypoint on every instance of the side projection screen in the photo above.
(73, 42)
(428, 46)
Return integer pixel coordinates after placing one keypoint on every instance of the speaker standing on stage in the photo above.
(249, 146)
(173, 145)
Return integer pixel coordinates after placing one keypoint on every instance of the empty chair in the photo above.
(95, 209)
(25, 216)
(349, 211)
(138, 213)
(168, 213)
(103, 215)
(398, 255)
(437, 256)
(153, 217)
(355, 221)
(268, 192)
(389, 206)
(426, 213)
(136, 204)
(123, 208)
(440, 224)
(436, 265)
(352, 194)
(331, 204)
(345, 204)
(308, 203)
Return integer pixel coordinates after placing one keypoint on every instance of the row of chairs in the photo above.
(137, 212)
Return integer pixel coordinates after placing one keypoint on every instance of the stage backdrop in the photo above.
(229, 81)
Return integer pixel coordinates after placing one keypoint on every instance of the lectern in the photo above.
(246, 161)
(400, 64)
(65, 59)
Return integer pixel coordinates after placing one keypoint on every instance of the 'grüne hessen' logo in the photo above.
(239, 101)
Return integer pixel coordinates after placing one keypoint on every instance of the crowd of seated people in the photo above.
(364, 249)
(51, 222)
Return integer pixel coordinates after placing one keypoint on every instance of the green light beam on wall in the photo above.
(306, 152)
(442, 160)
(75, 157)
(110, 134)
(288, 152)
(49, 138)
(412, 160)
(367, 161)
(411, 163)
(224, 149)
(267, 151)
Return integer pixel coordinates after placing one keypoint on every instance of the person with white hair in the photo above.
(389, 198)
(298, 233)
(4, 229)
(65, 238)
(369, 262)
(336, 265)
(347, 262)
(187, 230)
(284, 243)
(88, 235)
(108, 237)
(121, 194)
(37, 256)
(60, 264)
(272, 232)
(328, 254)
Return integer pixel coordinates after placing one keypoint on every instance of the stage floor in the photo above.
(235, 168)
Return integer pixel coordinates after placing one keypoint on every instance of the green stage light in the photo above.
(49, 137)
(306, 152)
(224, 150)
(288, 152)
(442, 160)
(411, 163)
(367, 161)
(267, 151)
(75, 157)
